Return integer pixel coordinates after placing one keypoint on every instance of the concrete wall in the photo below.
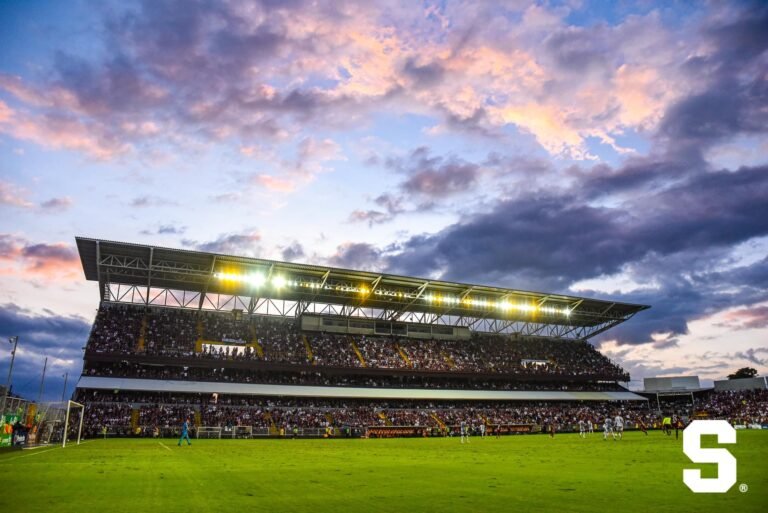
(678, 383)
(741, 384)
(207, 387)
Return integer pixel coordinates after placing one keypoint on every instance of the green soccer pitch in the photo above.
(518, 473)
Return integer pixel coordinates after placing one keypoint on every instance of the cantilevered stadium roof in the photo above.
(198, 279)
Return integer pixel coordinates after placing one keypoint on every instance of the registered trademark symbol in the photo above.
(743, 488)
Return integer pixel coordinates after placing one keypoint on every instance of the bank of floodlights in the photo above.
(258, 280)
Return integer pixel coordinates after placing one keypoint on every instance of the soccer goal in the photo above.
(243, 432)
(208, 432)
(72, 405)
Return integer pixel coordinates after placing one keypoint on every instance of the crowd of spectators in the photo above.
(173, 332)
(116, 330)
(114, 411)
(317, 377)
(745, 407)
(170, 332)
(332, 350)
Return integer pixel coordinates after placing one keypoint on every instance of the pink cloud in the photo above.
(755, 317)
(560, 83)
(59, 132)
(274, 183)
(13, 196)
(21, 258)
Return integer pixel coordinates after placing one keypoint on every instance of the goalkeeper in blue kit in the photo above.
(185, 433)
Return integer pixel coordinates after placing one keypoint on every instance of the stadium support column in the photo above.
(149, 275)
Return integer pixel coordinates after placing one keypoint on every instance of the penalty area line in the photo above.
(30, 454)
(165, 446)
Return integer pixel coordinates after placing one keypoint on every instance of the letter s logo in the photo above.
(726, 463)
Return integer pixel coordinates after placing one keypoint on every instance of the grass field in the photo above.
(521, 473)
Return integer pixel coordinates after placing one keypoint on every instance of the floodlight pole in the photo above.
(64, 392)
(42, 381)
(15, 342)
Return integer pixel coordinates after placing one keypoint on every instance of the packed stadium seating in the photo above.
(173, 344)
(313, 377)
(174, 333)
(167, 411)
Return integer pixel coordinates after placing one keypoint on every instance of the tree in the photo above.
(744, 372)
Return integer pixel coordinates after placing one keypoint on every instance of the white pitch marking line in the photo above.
(165, 446)
(31, 454)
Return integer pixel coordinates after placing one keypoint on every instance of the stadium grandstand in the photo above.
(252, 347)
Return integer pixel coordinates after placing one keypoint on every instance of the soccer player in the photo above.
(464, 430)
(666, 425)
(582, 428)
(642, 426)
(619, 422)
(590, 425)
(678, 426)
(608, 429)
(185, 432)
(482, 430)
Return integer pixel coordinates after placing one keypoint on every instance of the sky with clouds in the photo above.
(608, 149)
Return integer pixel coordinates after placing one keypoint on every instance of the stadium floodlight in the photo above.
(279, 282)
(256, 279)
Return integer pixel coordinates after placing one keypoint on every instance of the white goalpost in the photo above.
(70, 404)
(208, 432)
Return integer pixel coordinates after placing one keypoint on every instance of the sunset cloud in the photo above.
(260, 70)
(52, 261)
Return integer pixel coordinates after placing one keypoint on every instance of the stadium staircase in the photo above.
(134, 419)
(357, 352)
(448, 360)
(439, 421)
(310, 355)
(404, 356)
(383, 416)
(255, 343)
(142, 335)
(273, 431)
(199, 341)
(198, 418)
(329, 418)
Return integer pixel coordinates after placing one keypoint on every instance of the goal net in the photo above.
(49, 423)
(237, 432)
(73, 422)
(208, 432)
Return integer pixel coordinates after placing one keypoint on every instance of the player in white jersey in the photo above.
(619, 421)
(608, 429)
(582, 428)
(464, 430)
(482, 430)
